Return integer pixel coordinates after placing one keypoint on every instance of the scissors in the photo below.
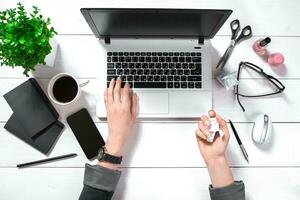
(235, 39)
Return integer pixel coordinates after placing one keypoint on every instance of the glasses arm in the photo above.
(277, 83)
(238, 98)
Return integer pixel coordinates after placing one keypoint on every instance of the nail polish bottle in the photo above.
(275, 59)
(260, 45)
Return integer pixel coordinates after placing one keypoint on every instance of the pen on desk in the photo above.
(46, 160)
(239, 141)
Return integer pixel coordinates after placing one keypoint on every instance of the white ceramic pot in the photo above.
(50, 58)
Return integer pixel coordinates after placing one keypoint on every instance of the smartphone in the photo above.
(86, 132)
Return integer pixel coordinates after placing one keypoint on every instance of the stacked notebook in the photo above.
(35, 120)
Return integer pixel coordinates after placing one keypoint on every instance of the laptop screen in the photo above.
(155, 22)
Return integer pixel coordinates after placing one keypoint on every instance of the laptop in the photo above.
(164, 54)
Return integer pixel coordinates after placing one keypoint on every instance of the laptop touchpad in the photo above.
(153, 103)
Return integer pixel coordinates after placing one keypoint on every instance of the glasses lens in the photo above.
(256, 84)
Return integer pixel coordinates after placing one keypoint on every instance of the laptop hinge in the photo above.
(107, 40)
(200, 40)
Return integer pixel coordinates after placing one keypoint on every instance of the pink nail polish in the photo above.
(276, 59)
(260, 45)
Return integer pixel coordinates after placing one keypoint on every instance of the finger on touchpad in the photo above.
(153, 103)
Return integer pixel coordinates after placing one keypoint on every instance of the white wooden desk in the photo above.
(162, 160)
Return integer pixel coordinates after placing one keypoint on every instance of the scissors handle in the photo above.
(235, 28)
(246, 33)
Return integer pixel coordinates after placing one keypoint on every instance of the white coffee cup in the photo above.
(52, 83)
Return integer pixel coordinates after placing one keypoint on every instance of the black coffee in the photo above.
(65, 89)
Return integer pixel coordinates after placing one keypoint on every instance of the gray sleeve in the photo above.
(235, 191)
(101, 178)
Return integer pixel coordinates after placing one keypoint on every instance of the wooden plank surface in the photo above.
(85, 60)
(147, 183)
(88, 99)
(267, 17)
(223, 101)
(175, 146)
(281, 107)
(273, 172)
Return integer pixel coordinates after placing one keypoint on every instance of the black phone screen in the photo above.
(86, 132)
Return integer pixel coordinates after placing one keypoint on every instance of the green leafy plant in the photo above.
(24, 39)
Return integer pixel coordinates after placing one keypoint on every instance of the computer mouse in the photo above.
(262, 129)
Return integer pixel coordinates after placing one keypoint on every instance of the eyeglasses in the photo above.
(279, 87)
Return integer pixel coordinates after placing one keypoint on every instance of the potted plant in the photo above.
(24, 39)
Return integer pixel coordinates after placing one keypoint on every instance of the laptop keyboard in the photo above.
(174, 70)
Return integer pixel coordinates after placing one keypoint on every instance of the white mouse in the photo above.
(262, 129)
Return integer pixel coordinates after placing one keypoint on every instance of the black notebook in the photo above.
(31, 107)
(43, 142)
